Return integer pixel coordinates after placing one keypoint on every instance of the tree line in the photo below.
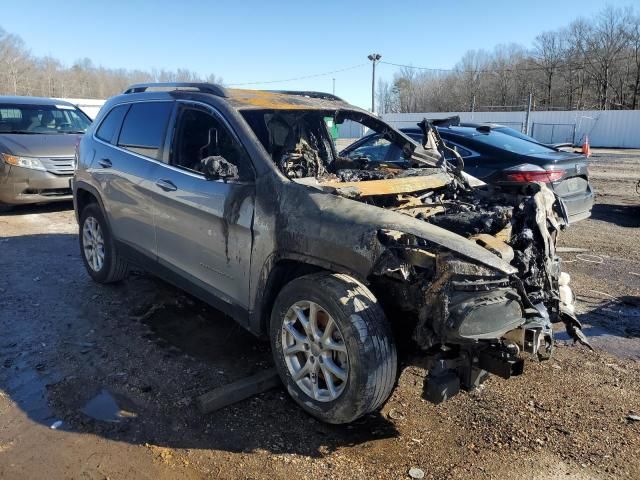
(591, 64)
(22, 73)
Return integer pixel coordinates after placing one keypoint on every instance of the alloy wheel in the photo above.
(93, 243)
(315, 351)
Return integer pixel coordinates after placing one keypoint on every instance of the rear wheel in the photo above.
(333, 347)
(98, 249)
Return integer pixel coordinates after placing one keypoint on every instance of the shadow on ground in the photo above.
(37, 208)
(610, 325)
(125, 361)
(621, 215)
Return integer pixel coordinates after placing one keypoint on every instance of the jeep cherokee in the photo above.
(240, 198)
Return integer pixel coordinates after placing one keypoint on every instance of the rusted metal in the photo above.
(394, 185)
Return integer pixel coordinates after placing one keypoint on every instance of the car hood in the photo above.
(40, 145)
(349, 224)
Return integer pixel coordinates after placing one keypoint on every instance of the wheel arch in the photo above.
(279, 270)
(83, 195)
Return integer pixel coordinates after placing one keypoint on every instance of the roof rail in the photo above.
(200, 87)
(320, 95)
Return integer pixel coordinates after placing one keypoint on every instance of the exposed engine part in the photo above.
(451, 370)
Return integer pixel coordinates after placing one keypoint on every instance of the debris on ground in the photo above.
(416, 473)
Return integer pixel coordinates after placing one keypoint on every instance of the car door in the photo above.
(130, 138)
(204, 226)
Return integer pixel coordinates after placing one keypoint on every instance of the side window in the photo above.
(378, 149)
(111, 123)
(463, 152)
(144, 128)
(199, 135)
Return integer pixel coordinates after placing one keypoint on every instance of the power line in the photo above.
(565, 66)
(315, 75)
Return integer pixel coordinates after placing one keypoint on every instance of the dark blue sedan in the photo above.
(501, 159)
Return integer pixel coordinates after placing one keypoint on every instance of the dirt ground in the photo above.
(114, 370)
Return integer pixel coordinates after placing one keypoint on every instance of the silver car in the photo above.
(38, 137)
(240, 198)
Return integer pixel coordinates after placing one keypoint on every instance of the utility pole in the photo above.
(334, 86)
(375, 58)
(526, 118)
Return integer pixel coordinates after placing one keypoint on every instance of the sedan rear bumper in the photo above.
(579, 206)
(20, 186)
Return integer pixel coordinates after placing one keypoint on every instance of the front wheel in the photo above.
(333, 347)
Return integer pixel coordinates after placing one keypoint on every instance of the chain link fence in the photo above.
(554, 132)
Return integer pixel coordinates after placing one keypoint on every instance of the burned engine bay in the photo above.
(468, 318)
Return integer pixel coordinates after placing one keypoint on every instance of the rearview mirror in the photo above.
(216, 167)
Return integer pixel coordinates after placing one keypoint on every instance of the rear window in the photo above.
(511, 144)
(144, 128)
(111, 124)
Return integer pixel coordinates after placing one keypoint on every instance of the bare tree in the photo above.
(633, 34)
(601, 46)
(548, 53)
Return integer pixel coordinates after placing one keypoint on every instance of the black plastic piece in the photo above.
(501, 363)
(441, 387)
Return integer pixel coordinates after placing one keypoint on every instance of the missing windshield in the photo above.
(301, 144)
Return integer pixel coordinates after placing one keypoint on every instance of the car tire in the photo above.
(97, 248)
(368, 365)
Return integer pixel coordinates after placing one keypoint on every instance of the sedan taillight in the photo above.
(528, 173)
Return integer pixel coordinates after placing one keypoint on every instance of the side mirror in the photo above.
(216, 167)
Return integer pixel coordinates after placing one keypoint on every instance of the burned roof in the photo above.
(244, 99)
(283, 100)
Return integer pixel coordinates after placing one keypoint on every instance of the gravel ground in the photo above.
(115, 369)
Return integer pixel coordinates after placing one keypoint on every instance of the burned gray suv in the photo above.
(38, 137)
(240, 198)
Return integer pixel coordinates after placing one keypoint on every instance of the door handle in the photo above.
(166, 185)
(105, 163)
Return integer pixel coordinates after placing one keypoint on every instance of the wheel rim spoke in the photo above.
(335, 369)
(328, 330)
(298, 337)
(303, 372)
(297, 347)
(328, 379)
(336, 347)
(313, 320)
(301, 317)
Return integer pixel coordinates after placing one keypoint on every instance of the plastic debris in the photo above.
(56, 425)
(416, 473)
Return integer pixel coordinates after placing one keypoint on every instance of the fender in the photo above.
(82, 185)
(258, 317)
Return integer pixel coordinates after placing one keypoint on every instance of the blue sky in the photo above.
(249, 41)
